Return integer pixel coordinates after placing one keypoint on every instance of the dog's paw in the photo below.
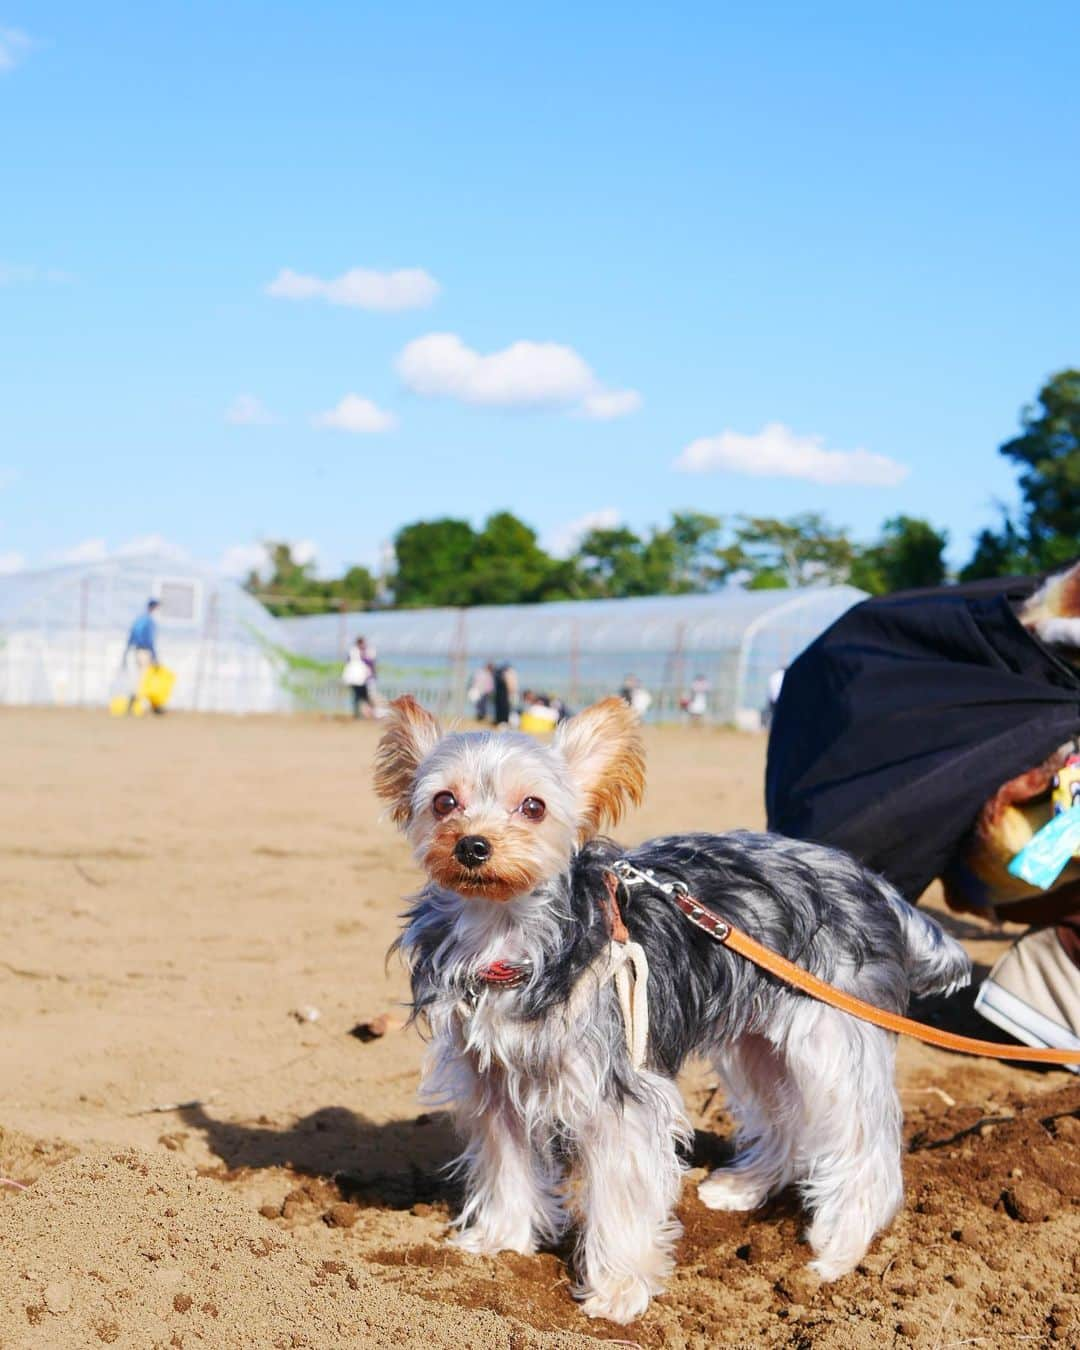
(619, 1300)
(481, 1241)
(728, 1188)
(839, 1245)
(829, 1268)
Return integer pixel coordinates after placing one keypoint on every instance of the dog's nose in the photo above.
(472, 850)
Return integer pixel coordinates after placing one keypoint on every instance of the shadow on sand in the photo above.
(394, 1165)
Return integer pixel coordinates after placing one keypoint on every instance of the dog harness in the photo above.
(621, 961)
(708, 921)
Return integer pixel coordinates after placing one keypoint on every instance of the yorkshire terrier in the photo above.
(507, 946)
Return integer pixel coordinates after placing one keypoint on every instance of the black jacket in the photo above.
(896, 725)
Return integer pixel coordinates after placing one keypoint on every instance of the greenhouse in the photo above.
(729, 641)
(63, 631)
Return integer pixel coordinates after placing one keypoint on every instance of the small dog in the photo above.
(507, 948)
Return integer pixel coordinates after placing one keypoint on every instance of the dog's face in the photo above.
(490, 816)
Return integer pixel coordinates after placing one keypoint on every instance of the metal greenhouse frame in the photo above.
(581, 650)
(63, 631)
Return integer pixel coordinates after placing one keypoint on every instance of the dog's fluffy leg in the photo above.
(512, 1200)
(630, 1173)
(762, 1098)
(849, 1134)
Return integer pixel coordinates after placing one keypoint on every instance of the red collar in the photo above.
(503, 973)
(508, 975)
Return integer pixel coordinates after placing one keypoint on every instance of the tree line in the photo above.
(448, 562)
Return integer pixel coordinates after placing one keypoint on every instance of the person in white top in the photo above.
(697, 705)
(359, 675)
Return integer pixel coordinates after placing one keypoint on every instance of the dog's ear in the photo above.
(410, 736)
(603, 751)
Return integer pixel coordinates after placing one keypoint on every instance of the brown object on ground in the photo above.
(257, 877)
(376, 1027)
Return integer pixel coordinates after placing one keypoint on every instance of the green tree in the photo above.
(617, 563)
(356, 588)
(910, 553)
(1048, 453)
(1046, 532)
(447, 562)
(433, 559)
(998, 553)
(696, 538)
(767, 553)
(509, 567)
(610, 560)
(291, 587)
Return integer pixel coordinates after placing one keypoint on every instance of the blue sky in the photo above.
(836, 241)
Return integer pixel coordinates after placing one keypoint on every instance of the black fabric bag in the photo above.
(896, 725)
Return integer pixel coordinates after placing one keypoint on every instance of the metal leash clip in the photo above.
(632, 876)
(678, 891)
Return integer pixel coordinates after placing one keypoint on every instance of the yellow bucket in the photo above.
(122, 705)
(537, 724)
(156, 685)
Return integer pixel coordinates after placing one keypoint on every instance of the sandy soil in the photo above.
(195, 915)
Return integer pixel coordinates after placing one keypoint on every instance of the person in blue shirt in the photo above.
(143, 638)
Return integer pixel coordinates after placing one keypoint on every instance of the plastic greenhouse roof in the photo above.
(710, 622)
(108, 594)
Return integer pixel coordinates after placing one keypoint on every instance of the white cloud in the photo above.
(778, 452)
(29, 274)
(150, 543)
(240, 559)
(90, 550)
(524, 375)
(356, 414)
(564, 539)
(97, 549)
(248, 411)
(304, 551)
(14, 44)
(360, 287)
(11, 562)
(611, 403)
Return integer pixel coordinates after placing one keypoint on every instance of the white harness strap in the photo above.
(632, 986)
(626, 964)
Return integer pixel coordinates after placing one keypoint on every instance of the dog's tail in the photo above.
(936, 963)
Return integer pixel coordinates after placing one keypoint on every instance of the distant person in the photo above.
(359, 675)
(370, 655)
(537, 712)
(504, 694)
(481, 689)
(142, 640)
(697, 705)
(636, 695)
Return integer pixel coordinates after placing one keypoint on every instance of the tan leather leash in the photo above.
(721, 931)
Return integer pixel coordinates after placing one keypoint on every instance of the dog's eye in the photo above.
(532, 808)
(443, 803)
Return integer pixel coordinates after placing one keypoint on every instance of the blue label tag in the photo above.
(1046, 855)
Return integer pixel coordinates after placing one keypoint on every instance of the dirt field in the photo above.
(195, 914)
